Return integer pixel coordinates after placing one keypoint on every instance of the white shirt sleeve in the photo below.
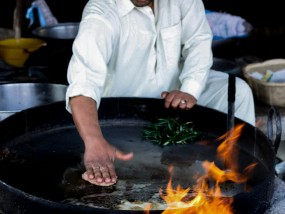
(196, 48)
(87, 69)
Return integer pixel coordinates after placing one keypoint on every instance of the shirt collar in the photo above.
(124, 7)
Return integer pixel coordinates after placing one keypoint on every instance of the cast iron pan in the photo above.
(41, 153)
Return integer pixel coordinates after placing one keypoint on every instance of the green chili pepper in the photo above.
(168, 131)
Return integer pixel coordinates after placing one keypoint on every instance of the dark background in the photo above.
(63, 10)
(260, 13)
(266, 40)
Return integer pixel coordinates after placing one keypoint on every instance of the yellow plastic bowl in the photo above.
(15, 52)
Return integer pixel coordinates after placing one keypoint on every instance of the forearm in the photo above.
(85, 116)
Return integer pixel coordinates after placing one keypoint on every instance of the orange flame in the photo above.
(209, 199)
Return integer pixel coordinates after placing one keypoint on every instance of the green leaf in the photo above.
(168, 131)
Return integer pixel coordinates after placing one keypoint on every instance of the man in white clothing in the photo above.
(142, 48)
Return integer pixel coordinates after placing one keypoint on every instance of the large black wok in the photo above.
(40, 162)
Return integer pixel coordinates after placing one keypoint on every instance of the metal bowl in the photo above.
(16, 97)
(59, 31)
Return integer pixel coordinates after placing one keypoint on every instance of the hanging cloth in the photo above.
(45, 15)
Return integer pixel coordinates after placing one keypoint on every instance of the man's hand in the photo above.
(178, 99)
(99, 163)
(99, 155)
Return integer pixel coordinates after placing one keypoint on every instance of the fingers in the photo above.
(178, 99)
(186, 104)
(103, 175)
(170, 99)
(183, 104)
(164, 94)
(102, 172)
(94, 181)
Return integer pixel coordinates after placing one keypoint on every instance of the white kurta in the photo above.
(127, 51)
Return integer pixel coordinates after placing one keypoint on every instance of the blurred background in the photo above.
(264, 41)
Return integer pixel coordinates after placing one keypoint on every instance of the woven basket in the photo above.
(269, 93)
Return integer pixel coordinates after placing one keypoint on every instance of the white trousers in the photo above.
(218, 83)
